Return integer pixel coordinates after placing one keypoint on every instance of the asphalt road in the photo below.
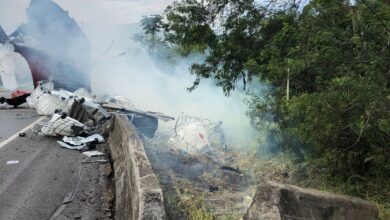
(47, 177)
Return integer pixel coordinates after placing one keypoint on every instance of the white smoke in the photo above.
(110, 26)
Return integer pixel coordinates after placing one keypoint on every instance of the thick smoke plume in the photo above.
(123, 66)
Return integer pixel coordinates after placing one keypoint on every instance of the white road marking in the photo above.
(14, 136)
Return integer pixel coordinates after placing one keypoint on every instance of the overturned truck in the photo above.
(53, 45)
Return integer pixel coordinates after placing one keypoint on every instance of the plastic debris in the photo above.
(59, 125)
(48, 104)
(11, 162)
(78, 143)
(43, 87)
(93, 153)
(70, 147)
(81, 140)
(196, 135)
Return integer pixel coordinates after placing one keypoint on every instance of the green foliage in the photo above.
(335, 55)
(187, 27)
(152, 26)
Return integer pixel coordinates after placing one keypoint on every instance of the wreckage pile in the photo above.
(78, 117)
(192, 157)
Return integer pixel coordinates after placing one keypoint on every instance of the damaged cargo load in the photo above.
(53, 45)
(77, 113)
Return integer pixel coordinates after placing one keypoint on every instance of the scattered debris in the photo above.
(11, 162)
(196, 135)
(88, 112)
(42, 88)
(22, 134)
(59, 125)
(118, 102)
(67, 146)
(48, 104)
(93, 153)
(145, 122)
(15, 102)
(78, 143)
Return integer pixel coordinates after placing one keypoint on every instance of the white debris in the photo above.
(43, 87)
(48, 104)
(70, 147)
(78, 143)
(82, 140)
(118, 102)
(93, 153)
(191, 138)
(11, 162)
(59, 125)
(196, 135)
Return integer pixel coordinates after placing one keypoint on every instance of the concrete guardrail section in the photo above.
(138, 194)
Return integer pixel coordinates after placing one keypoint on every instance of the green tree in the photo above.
(152, 26)
(330, 57)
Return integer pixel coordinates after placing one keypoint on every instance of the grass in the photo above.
(192, 205)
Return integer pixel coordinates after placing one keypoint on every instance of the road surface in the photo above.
(48, 182)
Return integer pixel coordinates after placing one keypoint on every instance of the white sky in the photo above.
(12, 12)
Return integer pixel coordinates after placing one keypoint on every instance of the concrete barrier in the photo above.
(138, 195)
(275, 201)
